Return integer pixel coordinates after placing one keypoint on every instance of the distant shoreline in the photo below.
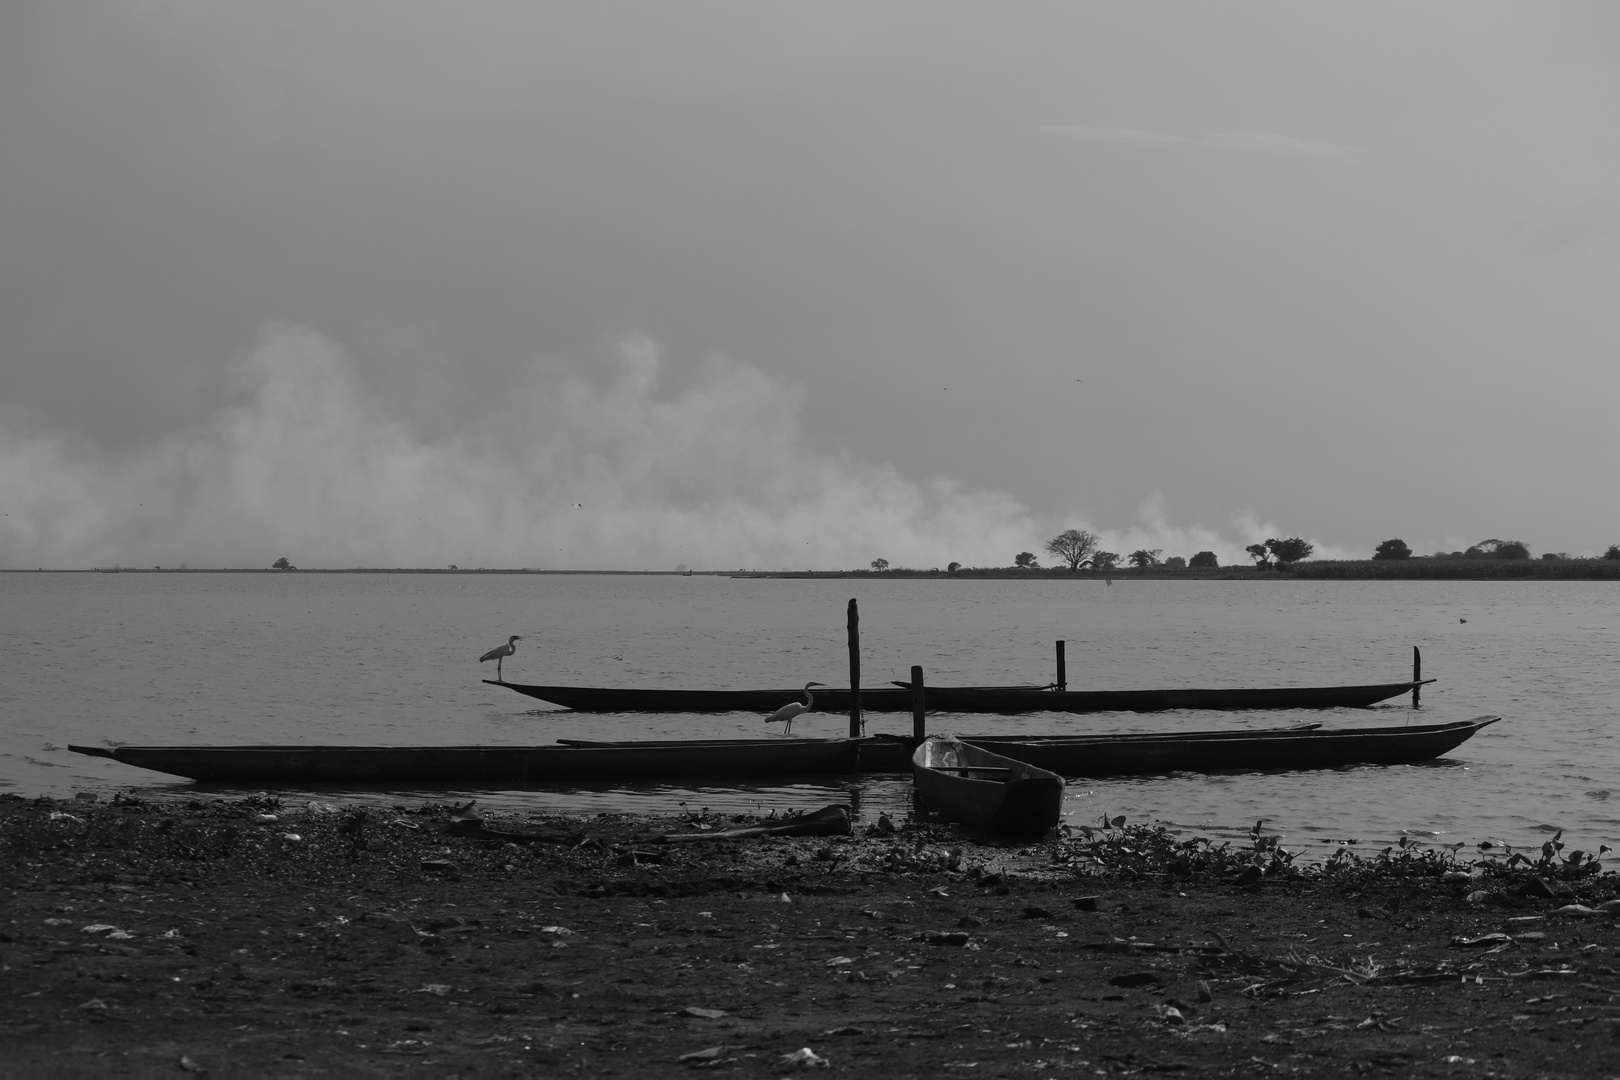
(1423, 569)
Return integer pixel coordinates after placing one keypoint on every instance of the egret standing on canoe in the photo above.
(501, 652)
(787, 712)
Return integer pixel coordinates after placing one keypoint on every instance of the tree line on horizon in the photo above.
(1080, 547)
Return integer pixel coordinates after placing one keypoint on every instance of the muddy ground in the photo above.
(249, 938)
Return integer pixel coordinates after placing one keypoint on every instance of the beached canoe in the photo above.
(892, 753)
(963, 699)
(519, 766)
(1317, 748)
(985, 790)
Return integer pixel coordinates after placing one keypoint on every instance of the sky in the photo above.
(617, 285)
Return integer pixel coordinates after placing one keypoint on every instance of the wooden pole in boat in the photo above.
(854, 671)
(1417, 675)
(1063, 678)
(919, 727)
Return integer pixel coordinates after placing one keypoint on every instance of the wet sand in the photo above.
(249, 938)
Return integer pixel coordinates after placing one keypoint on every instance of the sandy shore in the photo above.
(250, 938)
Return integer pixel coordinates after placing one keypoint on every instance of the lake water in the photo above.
(148, 658)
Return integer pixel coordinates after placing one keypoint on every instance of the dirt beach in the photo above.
(250, 938)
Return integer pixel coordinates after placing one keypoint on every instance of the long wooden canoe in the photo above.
(985, 790)
(732, 759)
(964, 699)
(1216, 751)
(518, 766)
(892, 753)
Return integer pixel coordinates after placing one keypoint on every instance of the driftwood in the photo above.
(828, 821)
(474, 829)
(468, 822)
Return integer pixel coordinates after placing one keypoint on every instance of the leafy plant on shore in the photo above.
(1406, 858)
(1551, 865)
(1498, 869)
(1147, 851)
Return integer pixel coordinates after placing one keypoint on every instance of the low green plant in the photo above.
(1147, 851)
(1550, 865)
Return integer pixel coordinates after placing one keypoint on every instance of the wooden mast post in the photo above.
(1417, 675)
(1063, 678)
(854, 671)
(919, 727)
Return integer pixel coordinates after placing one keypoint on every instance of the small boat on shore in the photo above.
(519, 766)
(984, 790)
(964, 699)
(1312, 748)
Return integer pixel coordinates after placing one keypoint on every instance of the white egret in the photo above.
(787, 712)
(499, 653)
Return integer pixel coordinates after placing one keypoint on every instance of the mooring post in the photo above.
(919, 727)
(854, 671)
(1063, 678)
(1417, 675)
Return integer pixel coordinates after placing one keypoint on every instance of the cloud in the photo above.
(1258, 141)
(571, 473)
(1570, 224)
(1267, 142)
(1130, 136)
(608, 472)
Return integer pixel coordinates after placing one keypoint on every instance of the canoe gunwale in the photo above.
(1007, 700)
(1313, 749)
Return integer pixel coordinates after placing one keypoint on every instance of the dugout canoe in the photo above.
(964, 699)
(892, 753)
(1217, 751)
(518, 766)
(985, 790)
(641, 700)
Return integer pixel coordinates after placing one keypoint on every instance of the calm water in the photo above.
(376, 658)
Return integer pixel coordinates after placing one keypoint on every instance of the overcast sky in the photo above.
(627, 285)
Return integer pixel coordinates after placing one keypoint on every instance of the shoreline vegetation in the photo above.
(1414, 569)
(252, 937)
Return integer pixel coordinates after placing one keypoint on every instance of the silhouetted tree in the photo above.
(1261, 556)
(1025, 560)
(1498, 549)
(1204, 560)
(1143, 558)
(1392, 549)
(1175, 562)
(1073, 546)
(880, 565)
(1104, 560)
(282, 564)
(953, 568)
(1613, 552)
(1290, 551)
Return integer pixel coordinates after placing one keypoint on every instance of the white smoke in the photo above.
(568, 474)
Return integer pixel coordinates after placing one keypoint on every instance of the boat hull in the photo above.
(736, 759)
(517, 766)
(963, 699)
(1219, 751)
(985, 790)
